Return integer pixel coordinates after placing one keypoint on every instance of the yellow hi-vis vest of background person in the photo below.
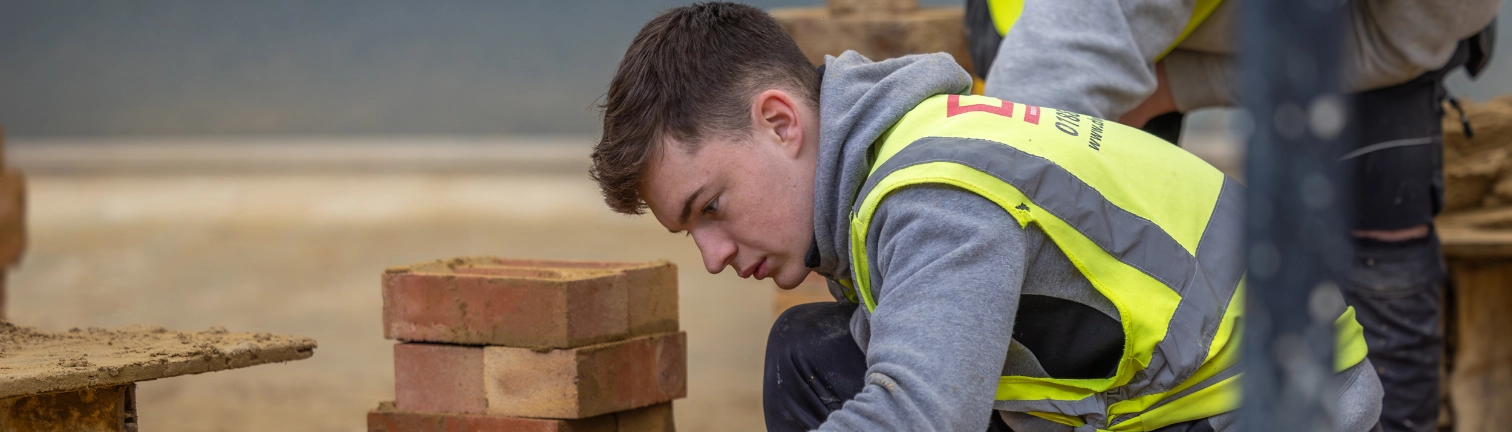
(1006, 12)
(1152, 227)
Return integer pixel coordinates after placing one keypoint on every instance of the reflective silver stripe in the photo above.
(1132, 239)
(1404, 142)
(1219, 266)
(1231, 372)
(1205, 285)
(1092, 409)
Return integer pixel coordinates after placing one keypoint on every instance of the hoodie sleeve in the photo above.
(1093, 57)
(947, 269)
(1387, 43)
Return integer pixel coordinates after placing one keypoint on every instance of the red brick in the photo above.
(387, 418)
(877, 36)
(587, 381)
(12, 217)
(845, 7)
(572, 383)
(528, 303)
(439, 378)
(652, 296)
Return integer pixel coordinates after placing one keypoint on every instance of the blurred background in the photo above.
(255, 165)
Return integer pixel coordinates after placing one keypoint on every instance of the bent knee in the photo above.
(1360, 398)
(810, 327)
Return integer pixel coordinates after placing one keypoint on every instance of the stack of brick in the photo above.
(490, 344)
(877, 29)
(12, 219)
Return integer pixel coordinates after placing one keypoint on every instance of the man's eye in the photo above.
(712, 207)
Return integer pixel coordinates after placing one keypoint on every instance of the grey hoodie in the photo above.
(1097, 57)
(949, 269)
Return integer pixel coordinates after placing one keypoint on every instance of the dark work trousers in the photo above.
(1396, 287)
(813, 366)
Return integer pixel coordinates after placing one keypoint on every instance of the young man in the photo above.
(995, 262)
(1149, 60)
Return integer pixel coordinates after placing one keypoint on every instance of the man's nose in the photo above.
(716, 249)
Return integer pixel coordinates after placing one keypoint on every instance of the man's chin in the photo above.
(790, 282)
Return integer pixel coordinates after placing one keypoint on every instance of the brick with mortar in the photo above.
(572, 383)
(528, 303)
(388, 418)
(846, 7)
(877, 36)
(440, 378)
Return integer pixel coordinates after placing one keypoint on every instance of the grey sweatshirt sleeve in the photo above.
(1201, 80)
(947, 269)
(1093, 57)
(1388, 42)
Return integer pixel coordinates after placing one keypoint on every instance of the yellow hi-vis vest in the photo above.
(1006, 12)
(1152, 227)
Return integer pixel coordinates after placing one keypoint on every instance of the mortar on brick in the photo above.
(880, 7)
(543, 304)
(571, 383)
(388, 417)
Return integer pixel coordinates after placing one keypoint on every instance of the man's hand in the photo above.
(1158, 103)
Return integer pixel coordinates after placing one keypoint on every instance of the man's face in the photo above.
(747, 201)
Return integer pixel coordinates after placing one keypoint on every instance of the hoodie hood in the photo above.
(859, 100)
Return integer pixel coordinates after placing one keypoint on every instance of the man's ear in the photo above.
(776, 115)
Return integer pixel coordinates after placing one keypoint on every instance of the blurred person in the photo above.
(995, 264)
(1145, 62)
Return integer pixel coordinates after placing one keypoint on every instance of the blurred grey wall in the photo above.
(163, 67)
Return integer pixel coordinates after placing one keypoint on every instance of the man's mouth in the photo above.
(758, 269)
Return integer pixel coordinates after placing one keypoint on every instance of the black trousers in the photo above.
(1396, 287)
(813, 366)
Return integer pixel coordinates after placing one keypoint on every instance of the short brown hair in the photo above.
(690, 73)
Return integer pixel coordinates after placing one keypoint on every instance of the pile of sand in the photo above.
(1478, 171)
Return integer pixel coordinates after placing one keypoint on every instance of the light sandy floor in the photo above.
(301, 253)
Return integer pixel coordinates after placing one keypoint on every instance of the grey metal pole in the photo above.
(1291, 73)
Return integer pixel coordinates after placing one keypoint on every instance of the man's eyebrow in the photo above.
(688, 206)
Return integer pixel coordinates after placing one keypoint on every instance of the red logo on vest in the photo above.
(953, 108)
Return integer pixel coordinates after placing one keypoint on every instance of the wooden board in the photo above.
(33, 362)
(105, 409)
(1481, 233)
(1478, 249)
(1480, 385)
